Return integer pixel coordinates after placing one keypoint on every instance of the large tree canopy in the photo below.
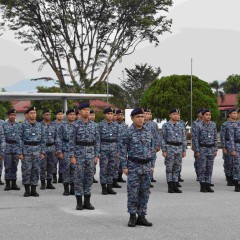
(83, 39)
(232, 84)
(175, 92)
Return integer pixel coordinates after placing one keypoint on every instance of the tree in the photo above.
(82, 40)
(137, 81)
(4, 107)
(175, 92)
(217, 86)
(232, 84)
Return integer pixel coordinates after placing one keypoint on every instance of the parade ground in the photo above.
(190, 215)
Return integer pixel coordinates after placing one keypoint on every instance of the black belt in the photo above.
(81, 143)
(108, 140)
(207, 145)
(31, 143)
(139, 160)
(11, 141)
(174, 143)
(50, 144)
(227, 139)
(237, 141)
(65, 140)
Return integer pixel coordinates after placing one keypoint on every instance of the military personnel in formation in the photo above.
(122, 127)
(33, 149)
(1, 151)
(225, 143)
(193, 130)
(155, 132)
(174, 149)
(114, 115)
(50, 138)
(92, 117)
(59, 114)
(84, 152)
(77, 115)
(11, 131)
(205, 146)
(64, 132)
(234, 149)
(137, 159)
(109, 150)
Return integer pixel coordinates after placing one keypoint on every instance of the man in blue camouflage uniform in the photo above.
(11, 131)
(32, 151)
(234, 150)
(193, 130)
(50, 138)
(109, 150)
(174, 149)
(1, 150)
(122, 127)
(92, 118)
(84, 152)
(156, 135)
(224, 135)
(205, 145)
(64, 132)
(136, 154)
(59, 114)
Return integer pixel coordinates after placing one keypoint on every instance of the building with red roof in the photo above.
(229, 101)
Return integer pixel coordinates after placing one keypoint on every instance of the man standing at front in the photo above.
(174, 144)
(136, 156)
(206, 145)
(32, 151)
(84, 144)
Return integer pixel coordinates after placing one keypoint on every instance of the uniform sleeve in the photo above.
(215, 138)
(232, 144)
(72, 141)
(2, 141)
(192, 134)
(164, 137)
(123, 149)
(184, 140)
(196, 138)
(43, 141)
(97, 142)
(222, 136)
(20, 143)
(59, 139)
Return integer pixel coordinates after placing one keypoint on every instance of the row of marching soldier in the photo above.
(79, 145)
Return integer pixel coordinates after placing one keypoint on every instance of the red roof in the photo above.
(21, 106)
(100, 104)
(229, 101)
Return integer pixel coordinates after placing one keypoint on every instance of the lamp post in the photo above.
(191, 91)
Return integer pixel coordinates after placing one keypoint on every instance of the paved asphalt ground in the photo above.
(190, 215)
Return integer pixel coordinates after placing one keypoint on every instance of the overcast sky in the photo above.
(205, 30)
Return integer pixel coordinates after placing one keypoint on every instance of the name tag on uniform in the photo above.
(49, 134)
(33, 134)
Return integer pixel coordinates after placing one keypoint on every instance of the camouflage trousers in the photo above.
(1, 167)
(236, 167)
(11, 166)
(68, 169)
(107, 166)
(117, 166)
(83, 177)
(138, 189)
(228, 165)
(31, 169)
(58, 164)
(173, 163)
(205, 165)
(46, 166)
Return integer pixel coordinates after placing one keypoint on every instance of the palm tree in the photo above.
(217, 87)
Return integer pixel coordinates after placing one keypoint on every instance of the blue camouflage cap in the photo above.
(136, 111)
(83, 105)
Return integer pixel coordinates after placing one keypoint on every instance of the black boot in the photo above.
(237, 187)
(151, 186)
(115, 184)
(72, 192)
(104, 189)
(110, 190)
(79, 203)
(87, 204)
(178, 184)
(208, 187)
(54, 178)
(66, 189)
(1, 183)
(43, 185)
(141, 220)
(49, 184)
(27, 190)
(120, 178)
(60, 178)
(153, 180)
(94, 180)
(7, 187)
(14, 185)
(132, 220)
(170, 187)
(203, 187)
(180, 179)
(230, 181)
(33, 191)
(175, 188)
